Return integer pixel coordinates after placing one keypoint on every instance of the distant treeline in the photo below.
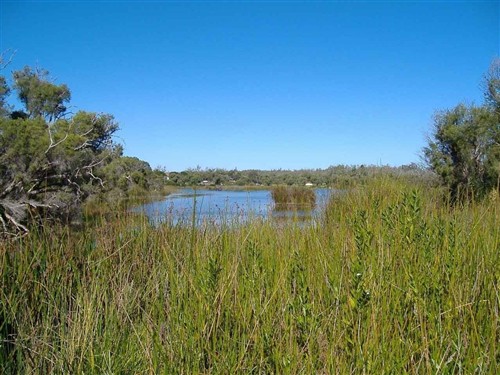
(339, 176)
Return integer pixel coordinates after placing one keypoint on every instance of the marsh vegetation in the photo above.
(391, 279)
(293, 198)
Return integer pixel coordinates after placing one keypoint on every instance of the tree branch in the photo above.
(18, 226)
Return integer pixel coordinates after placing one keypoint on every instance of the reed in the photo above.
(293, 197)
(391, 280)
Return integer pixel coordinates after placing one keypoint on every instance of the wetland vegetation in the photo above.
(293, 197)
(391, 279)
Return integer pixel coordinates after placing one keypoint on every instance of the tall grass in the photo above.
(391, 280)
(293, 197)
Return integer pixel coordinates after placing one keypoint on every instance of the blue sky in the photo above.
(262, 85)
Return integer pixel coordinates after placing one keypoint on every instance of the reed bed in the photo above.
(293, 198)
(391, 280)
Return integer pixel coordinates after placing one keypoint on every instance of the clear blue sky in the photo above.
(262, 85)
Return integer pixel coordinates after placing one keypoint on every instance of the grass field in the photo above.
(391, 280)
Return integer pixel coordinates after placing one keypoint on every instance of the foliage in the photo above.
(51, 162)
(46, 169)
(492, 86)
(40, 96)
(341, 176)
(464, 148)
(4, 92)
(392, 281)
(128, 180)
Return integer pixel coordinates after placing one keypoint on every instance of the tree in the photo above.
(49, 163)
(464, 148)
(4, 87)
(127, 172)
(492, 86)
(40, 96)
(4, 92)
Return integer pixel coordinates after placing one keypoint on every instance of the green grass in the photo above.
(391, 280)
(293, 197)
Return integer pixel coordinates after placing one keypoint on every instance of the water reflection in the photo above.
(189, 206)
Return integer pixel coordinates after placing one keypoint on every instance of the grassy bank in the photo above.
(391, 280)
(105, 205)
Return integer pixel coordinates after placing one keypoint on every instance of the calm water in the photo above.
(211, 206)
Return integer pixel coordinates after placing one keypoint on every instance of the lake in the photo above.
(225, 206)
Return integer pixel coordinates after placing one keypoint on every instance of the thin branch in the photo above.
(96, 178)
(87, 142)
(18, 225)
(87, 132)
(83, 145)
(92, 165)
(39, 205)
(9, 188)
(6, 64)
(52, 144)
(3, 224)
(79, 191)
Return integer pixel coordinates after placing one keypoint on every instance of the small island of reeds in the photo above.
(293, 198)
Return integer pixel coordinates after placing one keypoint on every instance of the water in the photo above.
(212, 206)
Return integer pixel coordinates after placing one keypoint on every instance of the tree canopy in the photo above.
(51, 161)
(464, 147)
(40, 96)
